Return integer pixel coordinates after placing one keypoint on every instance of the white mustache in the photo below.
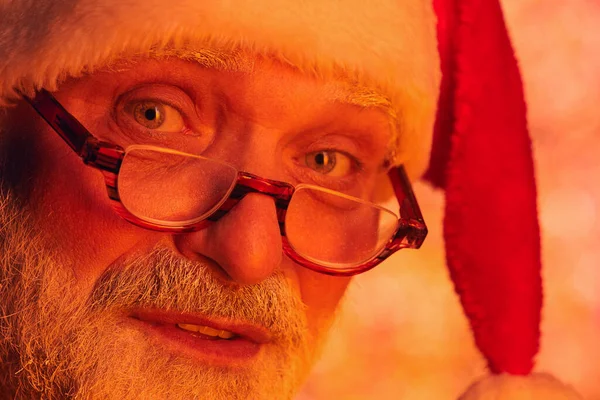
(162, 280)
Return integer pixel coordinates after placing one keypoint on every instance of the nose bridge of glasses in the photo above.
(248, 183)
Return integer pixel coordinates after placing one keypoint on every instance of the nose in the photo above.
(245, 243)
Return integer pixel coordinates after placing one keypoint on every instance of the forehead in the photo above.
(250, 85)
(341, 89)
(239, 88)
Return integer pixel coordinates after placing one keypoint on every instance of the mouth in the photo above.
(208, 340)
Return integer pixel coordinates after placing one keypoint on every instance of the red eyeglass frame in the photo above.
(107, 158)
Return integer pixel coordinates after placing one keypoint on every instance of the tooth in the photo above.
(225, 335)
(206, 330)
(189, 327)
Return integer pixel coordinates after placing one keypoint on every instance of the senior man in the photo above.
(238, 164)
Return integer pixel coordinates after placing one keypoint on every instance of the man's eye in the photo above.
(329, 162)
(157, 116)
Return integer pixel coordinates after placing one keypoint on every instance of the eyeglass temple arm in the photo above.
(409, 207)
(410, 214)
(71, 130)
(104, 156)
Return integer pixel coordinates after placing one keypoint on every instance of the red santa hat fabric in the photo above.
(482, 158)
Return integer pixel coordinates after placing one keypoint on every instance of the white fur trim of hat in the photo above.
(510, 387)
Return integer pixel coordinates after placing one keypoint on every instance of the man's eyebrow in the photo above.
(230, 60)
(365, 97)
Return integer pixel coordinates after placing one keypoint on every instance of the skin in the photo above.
(263, 117)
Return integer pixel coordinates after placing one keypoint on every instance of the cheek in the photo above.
(322, 295)
(71, 207)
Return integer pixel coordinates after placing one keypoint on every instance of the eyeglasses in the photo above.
(168, 190)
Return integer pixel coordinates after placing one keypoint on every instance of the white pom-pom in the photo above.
(512, 387)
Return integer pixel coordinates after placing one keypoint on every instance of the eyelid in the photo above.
(351, 144)
(304, 174)
(195, 136)
(357, 163)
(169, 95)
(345, 147)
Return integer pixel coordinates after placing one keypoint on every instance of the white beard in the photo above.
(57, 343)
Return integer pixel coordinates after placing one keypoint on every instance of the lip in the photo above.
(162, 325)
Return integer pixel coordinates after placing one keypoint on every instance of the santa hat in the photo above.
(481, 155)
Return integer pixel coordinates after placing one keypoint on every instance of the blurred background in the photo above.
(402, 334)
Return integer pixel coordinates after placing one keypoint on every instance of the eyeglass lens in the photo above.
(326, 227)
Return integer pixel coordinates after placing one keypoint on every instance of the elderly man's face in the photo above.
(99, 308)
